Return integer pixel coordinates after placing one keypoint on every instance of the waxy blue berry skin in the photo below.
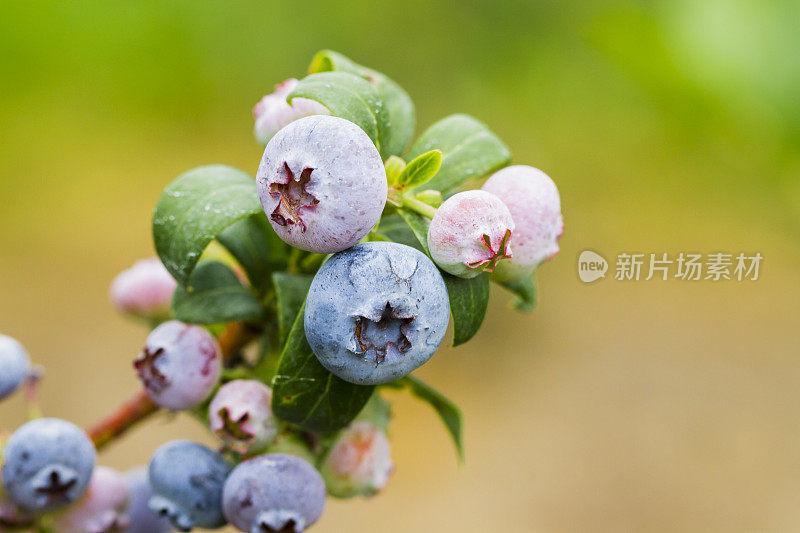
(376, 312)
(142, 519)
(187, 480)
(274, 492)
(47, 463)
(15, 365)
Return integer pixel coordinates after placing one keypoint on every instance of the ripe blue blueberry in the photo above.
(15, 365)
(376, 312)
(47, 463)
(322, 184)
(142, 519)
(179, 365)
(274, 492)
(187, 480)
(101, 509)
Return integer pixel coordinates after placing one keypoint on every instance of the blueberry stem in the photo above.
(139, 406)
(32, 393)
(417, 206)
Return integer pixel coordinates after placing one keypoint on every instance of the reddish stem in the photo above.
(140, 406)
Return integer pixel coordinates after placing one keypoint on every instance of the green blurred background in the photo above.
(668, 126)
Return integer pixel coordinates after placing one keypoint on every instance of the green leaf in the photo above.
(396, 229)
(306, 394)
(420, 170)
(291, 290)
(216, 295)
(469, 150)
(194, 209)
(257, 248)
(429, 196)
(469, 299)
(351, 97)
(394, 166)
(525, 292)
(445, 408)
(398, 105)
(418, 225)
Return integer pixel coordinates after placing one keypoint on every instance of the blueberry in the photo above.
(15, 365)
(274, 492)
(142, 519)
(187, 480)
(535, 205)
(47, 463)
(359, 462)
(101, 509)
(11, 515)
(322, 184)
(470, 233)
(144, 290)
(179, 365)
(273, 112)
(376, 312)
(241, 416)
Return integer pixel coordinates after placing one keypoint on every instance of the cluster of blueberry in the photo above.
(374, 311)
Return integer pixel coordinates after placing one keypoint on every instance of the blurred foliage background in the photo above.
(668, 126)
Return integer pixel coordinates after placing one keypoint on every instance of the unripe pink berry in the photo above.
(179, 365)
(273, 112)
(144, 290)
(535, 205)
(470, 234)
(101, 509)
(359, 463)
(241, 416)
(322, 184)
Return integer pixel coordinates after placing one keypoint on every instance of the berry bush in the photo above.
(281, 308)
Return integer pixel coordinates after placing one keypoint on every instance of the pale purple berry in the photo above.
(535, 205)
(142, 518)
(359, 463)
(15, 365)
(322, 184)
(273, 112)
(274, 492)
(144, 290)
(240, 415)
(101, 509)
(179, 365)
(470, 234)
